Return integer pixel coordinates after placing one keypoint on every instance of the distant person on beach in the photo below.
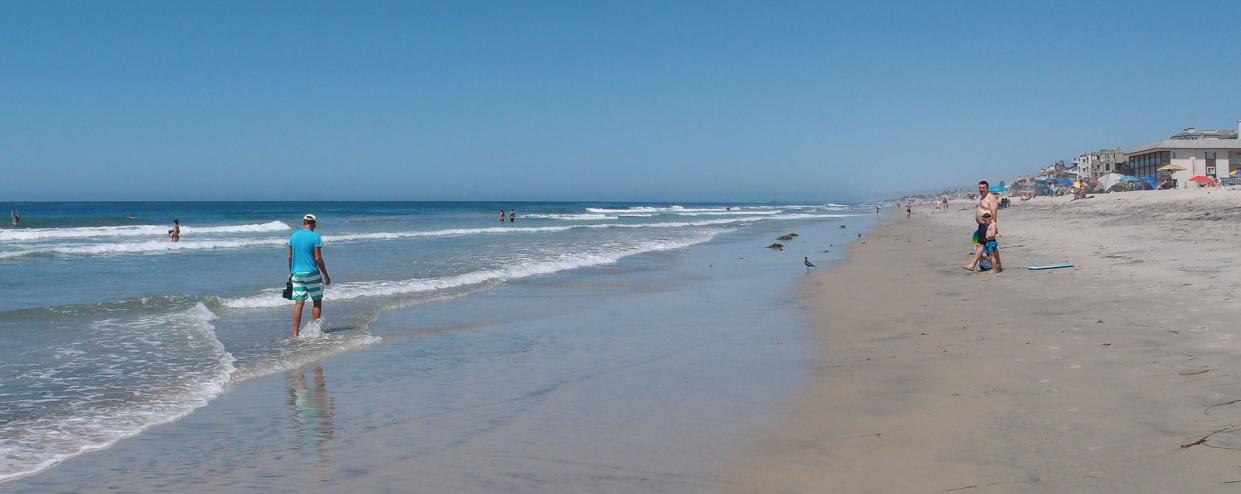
(876, 210)
(501, 216)
(986, 214)
(307, 271)
(174, 235)
(909, 209)
(512, 216)
(15, 217)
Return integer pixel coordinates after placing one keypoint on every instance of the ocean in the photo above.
(111, 329)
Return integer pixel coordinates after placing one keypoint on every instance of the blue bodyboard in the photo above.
(1040, 267)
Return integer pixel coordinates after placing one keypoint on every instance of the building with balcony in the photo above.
(1099, 163)
(1193, 152)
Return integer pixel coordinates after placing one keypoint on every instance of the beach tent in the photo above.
(1110, 180)
(1150, 182)
(1065, 182)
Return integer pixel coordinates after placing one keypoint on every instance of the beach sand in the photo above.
(1119, 375)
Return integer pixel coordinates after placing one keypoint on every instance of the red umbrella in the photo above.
(1202, 179)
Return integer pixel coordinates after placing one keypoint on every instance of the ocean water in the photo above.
(110, 329)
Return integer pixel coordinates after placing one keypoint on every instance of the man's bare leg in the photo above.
(973, 265)
(316, 309)
(297, 316)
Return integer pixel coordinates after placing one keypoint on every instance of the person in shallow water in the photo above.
(512, 216)
(17, 218)
(307, 271)
(174, 235)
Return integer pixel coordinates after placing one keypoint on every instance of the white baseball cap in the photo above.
(310, 217)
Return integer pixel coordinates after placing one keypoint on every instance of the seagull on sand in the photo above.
(806, 261)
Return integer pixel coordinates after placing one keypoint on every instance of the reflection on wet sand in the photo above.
(312, 414)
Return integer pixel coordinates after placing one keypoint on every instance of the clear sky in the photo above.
(620, 100)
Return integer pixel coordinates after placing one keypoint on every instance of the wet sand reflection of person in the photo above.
(312, 413)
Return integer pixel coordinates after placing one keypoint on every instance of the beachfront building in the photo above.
(1193, 152)
(1099, 163)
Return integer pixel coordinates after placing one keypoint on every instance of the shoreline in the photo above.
(615, 378)
(1091, 379)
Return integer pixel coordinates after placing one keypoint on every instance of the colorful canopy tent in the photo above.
(1202, 179)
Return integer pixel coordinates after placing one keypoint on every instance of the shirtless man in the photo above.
(988, 203)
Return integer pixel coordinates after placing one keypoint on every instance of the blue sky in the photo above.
(589, 101)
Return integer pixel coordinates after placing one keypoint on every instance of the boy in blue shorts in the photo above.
(991, 248)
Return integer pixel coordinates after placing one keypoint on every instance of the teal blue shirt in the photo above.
(303, 243)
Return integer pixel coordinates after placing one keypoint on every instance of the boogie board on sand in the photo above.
(1040, 267)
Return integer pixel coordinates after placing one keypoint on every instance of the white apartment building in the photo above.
(1099, 163)
(1193, 152)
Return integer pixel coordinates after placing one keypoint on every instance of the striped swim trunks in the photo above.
(308, 285)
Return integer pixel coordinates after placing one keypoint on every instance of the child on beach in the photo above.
(991, 248)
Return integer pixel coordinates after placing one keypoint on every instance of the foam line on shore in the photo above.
(162, 246)
(566, 261)
(41, 234)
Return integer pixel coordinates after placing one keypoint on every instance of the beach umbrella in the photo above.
(1171, 168)
(1129, 178)
(997, 188)
(1202, 179)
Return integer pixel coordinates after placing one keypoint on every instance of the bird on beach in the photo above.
(806, 261)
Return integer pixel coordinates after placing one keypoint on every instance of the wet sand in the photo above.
(1119, 375)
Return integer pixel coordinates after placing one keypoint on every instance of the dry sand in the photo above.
(1122, 374)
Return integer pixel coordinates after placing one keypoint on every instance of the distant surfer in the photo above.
(307, 271)
(512, 216)
(174, 235)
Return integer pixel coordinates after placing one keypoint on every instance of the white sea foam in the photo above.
(579, 217)
(41, 234)
(160, 246)
(654, 210)
(727, 213)
(566, 261)
(168, 365)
